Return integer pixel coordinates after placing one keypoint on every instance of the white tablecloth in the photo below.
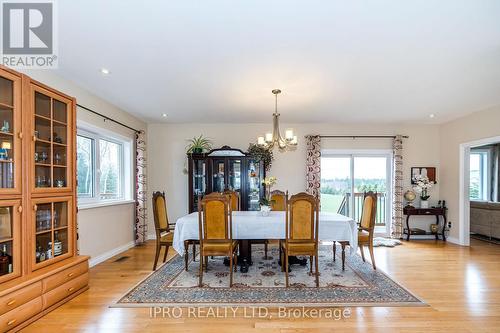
(252, 225)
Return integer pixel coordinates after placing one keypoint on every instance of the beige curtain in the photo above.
(141, 225)
(313, 164)
(397, 200)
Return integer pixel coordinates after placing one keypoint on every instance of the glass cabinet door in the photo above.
(10, 132)
(10, 242)
(254, 186)
(234, 179)
(52, 241)
(51, 136)
(199, 181)
(218, 176)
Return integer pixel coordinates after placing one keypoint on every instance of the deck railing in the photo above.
(380, 219)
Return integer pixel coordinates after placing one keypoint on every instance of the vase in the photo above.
(264, 210)
(424, 203)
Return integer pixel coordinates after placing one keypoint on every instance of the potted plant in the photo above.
(198, 145)
(260, 153)
(266, 202)
(422, 186)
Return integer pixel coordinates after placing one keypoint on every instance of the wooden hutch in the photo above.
(222, 169)
(39, 265)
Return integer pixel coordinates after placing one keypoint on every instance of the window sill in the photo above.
(104, 204)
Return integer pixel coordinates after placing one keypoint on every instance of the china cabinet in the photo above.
(222, 169)
(39, 265)
(10, 133)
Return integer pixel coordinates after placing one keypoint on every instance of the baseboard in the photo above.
(111, 253)
(420, 237)
(453, 240)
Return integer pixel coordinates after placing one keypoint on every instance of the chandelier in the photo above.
(275, 139)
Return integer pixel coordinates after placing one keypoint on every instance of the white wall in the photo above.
(167, 143)
(106, 230)
(480, 125)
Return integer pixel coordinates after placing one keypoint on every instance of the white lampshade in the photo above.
(269, 137)
(261, 141)
(289, 134)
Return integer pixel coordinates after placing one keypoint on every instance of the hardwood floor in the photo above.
(461, 285)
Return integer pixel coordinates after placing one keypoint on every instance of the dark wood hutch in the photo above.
(225, 168)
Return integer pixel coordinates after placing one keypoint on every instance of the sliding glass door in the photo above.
(345, 176)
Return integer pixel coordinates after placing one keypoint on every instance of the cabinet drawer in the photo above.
(22, 313)
(64, 276)
(57, 294)
(19, 297)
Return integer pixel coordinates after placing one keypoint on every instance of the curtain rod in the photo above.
(107, 118)
(362, 136)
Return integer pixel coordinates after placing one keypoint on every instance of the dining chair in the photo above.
(278, 200)
(216, 234)
(366, 229)
(234, 197)
(164, 230)
(164, 235)
(278, 203)
(301, 231)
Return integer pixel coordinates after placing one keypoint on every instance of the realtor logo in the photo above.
(28, 34)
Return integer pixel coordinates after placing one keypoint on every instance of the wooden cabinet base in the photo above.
(41, 292)
(47, 310)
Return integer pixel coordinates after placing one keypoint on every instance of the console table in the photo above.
(437, 212)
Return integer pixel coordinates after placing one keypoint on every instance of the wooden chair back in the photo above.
(302, 216)
(234, 199)
(160, 213)
(369, 213)
(214, 217)
(278, 200)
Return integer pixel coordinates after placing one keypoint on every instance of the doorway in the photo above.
(346, 175)
(477, 190)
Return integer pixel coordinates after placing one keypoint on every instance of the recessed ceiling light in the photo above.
(105, 71)
(164, 115)
(432, 115)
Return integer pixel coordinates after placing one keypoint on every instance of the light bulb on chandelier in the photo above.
(269, 140)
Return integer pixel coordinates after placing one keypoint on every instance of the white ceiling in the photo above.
(336, 61)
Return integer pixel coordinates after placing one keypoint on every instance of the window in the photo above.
(104, 166)
(110, 157)
(346, 175)
(479, 176)
(85, 166)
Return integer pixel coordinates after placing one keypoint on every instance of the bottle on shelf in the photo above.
(42, 254)
(38, 252)
(5, 261)
(48, 254)
(57, 245)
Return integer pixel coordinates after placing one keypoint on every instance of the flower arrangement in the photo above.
(422, 186)
(268, 182)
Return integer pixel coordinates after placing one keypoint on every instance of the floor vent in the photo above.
(122, 258)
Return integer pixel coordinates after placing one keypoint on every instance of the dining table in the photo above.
(252, 225)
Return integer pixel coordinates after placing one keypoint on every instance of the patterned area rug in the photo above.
(387, 242)
(264, 284)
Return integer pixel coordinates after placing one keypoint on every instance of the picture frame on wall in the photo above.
(430, 172)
